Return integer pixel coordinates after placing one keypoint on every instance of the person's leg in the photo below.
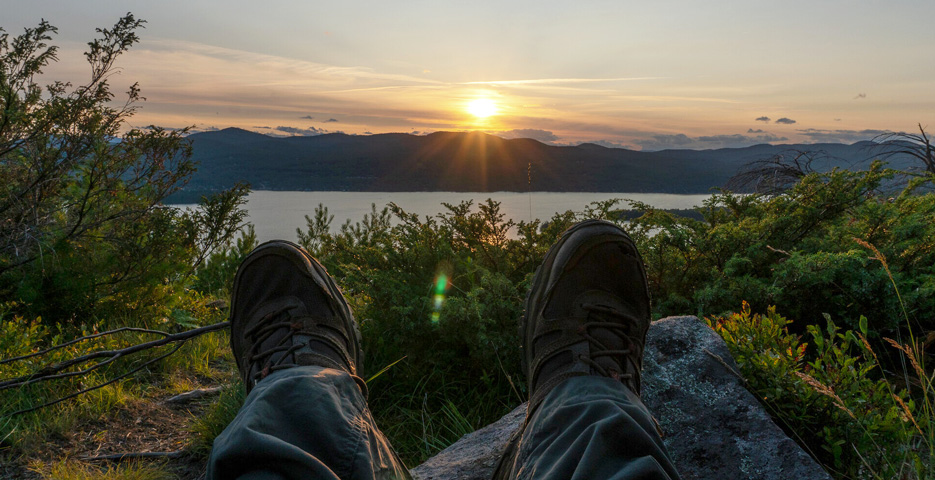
(297, 348)
(584, 329)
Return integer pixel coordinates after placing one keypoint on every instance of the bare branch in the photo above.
(134, 455)
(192, 395)
(102, 385)
(53, 371)
(77, 340)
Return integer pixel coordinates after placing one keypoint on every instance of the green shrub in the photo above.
(84, 232)
(831, 395)
(797, 250)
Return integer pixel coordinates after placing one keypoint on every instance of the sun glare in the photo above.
(482, 108)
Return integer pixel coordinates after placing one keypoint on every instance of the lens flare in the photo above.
(438, 297)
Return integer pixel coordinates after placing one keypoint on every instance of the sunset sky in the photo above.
(642, 75)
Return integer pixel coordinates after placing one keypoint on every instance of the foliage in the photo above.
(82, 228)
(216, 274)
(830, 395)
(797, 251)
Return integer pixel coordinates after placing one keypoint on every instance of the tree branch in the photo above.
(53, 371)
(102, 385)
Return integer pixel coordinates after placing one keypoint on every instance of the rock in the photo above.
(714, 427)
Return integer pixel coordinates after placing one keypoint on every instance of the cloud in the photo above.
(763, 119)
(262, 127)
(204, 129)
(837, 119)
(535, 81)
(368, 133)
(785, 121)
(740, 139)
(860, 95)
(662, 142)
(750, 130)
(307, 117)
(307, 132)
(543, 136)
(680, 140)
(331, 120)
(610, 144)
(818, 135)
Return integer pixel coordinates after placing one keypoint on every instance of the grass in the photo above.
(126, 406)
(422, 421)
(71, 470)
(209, 425)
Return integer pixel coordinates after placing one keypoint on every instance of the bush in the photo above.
(84, 232)
(798, 251)
(831, 395)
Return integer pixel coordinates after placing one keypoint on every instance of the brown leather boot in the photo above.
(587, 312)
(287, 311)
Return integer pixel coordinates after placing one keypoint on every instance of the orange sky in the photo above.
(645, 75)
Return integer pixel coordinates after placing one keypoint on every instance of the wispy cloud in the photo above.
(610, 144)
(544, 136)
(840, 136)
(556, 81)
(680, 141)
(300, 131)
(785, 121)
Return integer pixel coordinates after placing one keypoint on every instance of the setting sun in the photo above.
(482, 108)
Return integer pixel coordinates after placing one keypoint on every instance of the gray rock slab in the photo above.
(714, 428)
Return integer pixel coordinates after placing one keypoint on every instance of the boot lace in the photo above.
(603, 318)
(262, 331)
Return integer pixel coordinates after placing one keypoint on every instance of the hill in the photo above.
(476, 162)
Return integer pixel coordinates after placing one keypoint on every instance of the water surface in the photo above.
(277, 214)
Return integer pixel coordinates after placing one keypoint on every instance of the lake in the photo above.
(277, 214)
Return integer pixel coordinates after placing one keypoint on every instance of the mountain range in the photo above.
(476, 162)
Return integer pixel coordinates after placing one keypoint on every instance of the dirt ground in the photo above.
(144, 426)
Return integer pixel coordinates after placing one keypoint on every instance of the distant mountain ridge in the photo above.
(473, 162)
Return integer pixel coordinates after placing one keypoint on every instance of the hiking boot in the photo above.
(286, 311)
(587, 312)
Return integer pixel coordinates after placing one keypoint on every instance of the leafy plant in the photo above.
(83, 230)
(796, 250)
(830, 394)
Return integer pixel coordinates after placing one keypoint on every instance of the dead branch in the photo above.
(134, 455)
(77, 340)
(89, 389)
(54, 371)
(57, 371)
(776, 174)
(192, 395)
